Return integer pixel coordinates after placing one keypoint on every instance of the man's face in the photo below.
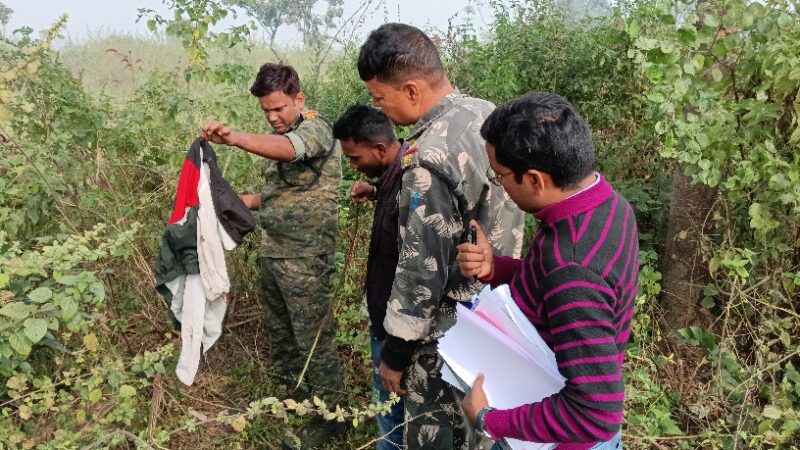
(520, 192)
(395, 101)
(281, 110)
(364, 157)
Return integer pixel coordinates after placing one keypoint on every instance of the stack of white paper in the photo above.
(497, 340)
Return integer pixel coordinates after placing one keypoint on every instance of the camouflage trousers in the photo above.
(433, 416)
(296, 295)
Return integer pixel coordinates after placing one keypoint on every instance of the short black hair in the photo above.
(275, 78)
(361, 123)
(541, 131)
(394, 52)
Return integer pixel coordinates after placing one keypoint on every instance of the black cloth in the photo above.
(231, 211)
(383, 245)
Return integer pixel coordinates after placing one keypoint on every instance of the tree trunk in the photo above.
(684, 267)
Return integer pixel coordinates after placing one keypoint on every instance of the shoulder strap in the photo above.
(451, 184)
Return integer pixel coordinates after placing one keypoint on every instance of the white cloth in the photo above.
(210, 238)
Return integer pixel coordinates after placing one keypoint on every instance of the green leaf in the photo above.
(747, 20)
(90, 342)
(708, 302)
(792, 140)
(716, 74)
(654, 73)
(633, 29)
(710, 290)
(35, 329)
(687, 35)
(126, 391)
(95, 395)
(40, 295)
(772, 412)
(69, 308)
(17, 310)
(711, 20)
(20, 344)
(4, 279)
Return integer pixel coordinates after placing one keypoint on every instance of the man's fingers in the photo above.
(215, 128)
(478, 382)
(386, 385)
(397, 389)
(471, 268)
(470, 253)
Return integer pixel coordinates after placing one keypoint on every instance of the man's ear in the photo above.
(380, 147)
(300, 100)
(412, 91)
(538, 180)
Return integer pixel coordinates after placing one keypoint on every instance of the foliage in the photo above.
(537, 46)
(5, 13)
(302, 15)
(86, 180)
(191, 23)
(723, 81)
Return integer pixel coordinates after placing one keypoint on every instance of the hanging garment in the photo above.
(191, 274)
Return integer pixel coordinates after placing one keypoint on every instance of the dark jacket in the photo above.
(383, 247)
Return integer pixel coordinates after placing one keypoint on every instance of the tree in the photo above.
(5, 14)
(314, 27)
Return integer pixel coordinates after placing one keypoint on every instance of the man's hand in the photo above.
(217, 133)
(475, 401)
(391, 379)
(251, 201)
(361, 191)
(476, 260)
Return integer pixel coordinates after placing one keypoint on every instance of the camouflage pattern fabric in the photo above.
(299, 208)
(444, 186)
(432, 411)
(299, 217)
(296, 295)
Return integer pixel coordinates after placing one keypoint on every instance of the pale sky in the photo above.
(97, 18)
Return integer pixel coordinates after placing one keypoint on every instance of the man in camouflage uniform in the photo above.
(444, 186)
(298, 209)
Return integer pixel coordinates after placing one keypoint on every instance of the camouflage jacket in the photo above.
(299, 202)
(444, 186)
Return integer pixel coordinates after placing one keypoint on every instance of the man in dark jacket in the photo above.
(369, 143)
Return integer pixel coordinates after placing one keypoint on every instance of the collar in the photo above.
(391, 172)
(297, 122)
(439, 109)
(589, 198)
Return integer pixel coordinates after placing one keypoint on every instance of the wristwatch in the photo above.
(480, 424)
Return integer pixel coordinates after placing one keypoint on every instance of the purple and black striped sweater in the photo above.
(578, 286)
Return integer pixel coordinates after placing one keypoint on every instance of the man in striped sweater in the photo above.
(578, 282)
